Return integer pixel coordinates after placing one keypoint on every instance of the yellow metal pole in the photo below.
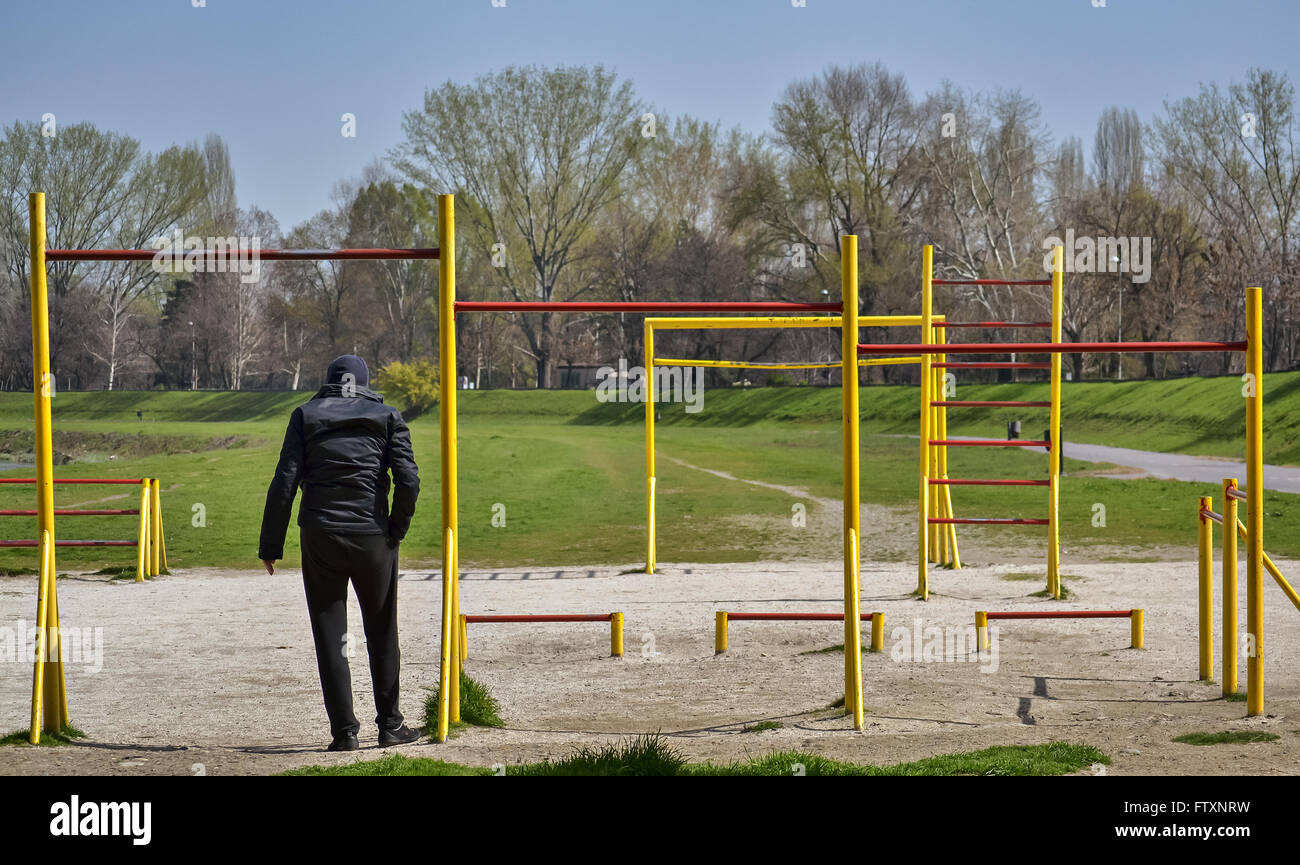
(142, 542)
(1136, 626)
(923, 551)
(936, 553)
(719, 632)
(162, 536)
(1205, 587)
(456, 651)
(616, 635)
(155, 528)
(650, 554)
(53, 692)
(1255, 502)
(42, 613)
(449, 669)
(852, 502)
(1229, 588)
(877, 632)
(464, 637)
(981, 631)
(1054, 424)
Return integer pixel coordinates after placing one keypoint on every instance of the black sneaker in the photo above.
(345, 742)
(403, 735)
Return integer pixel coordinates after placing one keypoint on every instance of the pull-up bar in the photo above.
(226, 253)
(640, 306)
(1048, 347)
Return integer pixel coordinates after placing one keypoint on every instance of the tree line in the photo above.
(571, 187)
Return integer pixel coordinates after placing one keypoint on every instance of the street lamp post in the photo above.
(194, 361)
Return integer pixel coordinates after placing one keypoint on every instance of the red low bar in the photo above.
(990, 282)
(1232, 493)
(996, 364)
(788, 617)
(71, 543)
(1047, 347)
(642, 307)
(1065, 614)
(237, 254)
(986, 482)
(977, 521)
(74, 513)
(991, 324)
(1211, 515)
(75, 480)
(562, 617)
(990, 403)
(989, 443)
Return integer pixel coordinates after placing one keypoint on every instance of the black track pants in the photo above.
(329, 562)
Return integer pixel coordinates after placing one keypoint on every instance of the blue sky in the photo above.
(274, 77)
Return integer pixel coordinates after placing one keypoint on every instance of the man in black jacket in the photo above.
(340, 448)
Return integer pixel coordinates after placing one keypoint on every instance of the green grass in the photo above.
(762, 726)
(49, 739)
(569, 471)
(478, 708)
(1227, 737)
(1238, 697)
(652, 755)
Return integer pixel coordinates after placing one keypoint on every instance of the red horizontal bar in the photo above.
(1065, 614)
(1047, 347)
(1211, 515)
(237, 254)
(989, 443)
(991, 403)
(790, 617)
(641, 307)
(1233, 493)
(71, 543)
(997, 364)
(957, 521)
(990, 282)
(74, 513)
(991, 324)
(75, 480)
(986, 482)
(562, 617)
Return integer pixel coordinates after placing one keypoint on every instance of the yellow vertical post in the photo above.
(877, 632)
(935, 540)
(1229, 600)
(42, 613)
(616, 635)
(1054, 425)
(1205, 587)
(981, 631)
(457, 654)
(720, 632)
(464, 637)
(449, 671)
(155, 528)
(162, 535)
(48, 672)
(1254, 502)
(650, 450)
(852, 503)
(142, 539)
(1136, 639)
(923, 552)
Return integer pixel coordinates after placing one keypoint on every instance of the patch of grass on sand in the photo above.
(761, 726)
(478, 708)
(49, 738)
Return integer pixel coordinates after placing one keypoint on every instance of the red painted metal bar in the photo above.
(1047, 347)
(977, 521)
(986, 482)
(787, 617)
(1233, 493)
(990, 282)
(1064, 614)
(76, 513)
(991, 324)
(238, 254)
(997, 364)
(70, 543)
(989, 443)
(74, 480)
(642, 307)
(1211, 515)
(991, 403)
(544, 617)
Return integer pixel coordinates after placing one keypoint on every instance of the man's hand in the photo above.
(269, 564)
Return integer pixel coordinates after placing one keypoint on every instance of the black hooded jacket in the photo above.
(340, 448)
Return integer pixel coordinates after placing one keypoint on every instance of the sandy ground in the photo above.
(213, 672)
